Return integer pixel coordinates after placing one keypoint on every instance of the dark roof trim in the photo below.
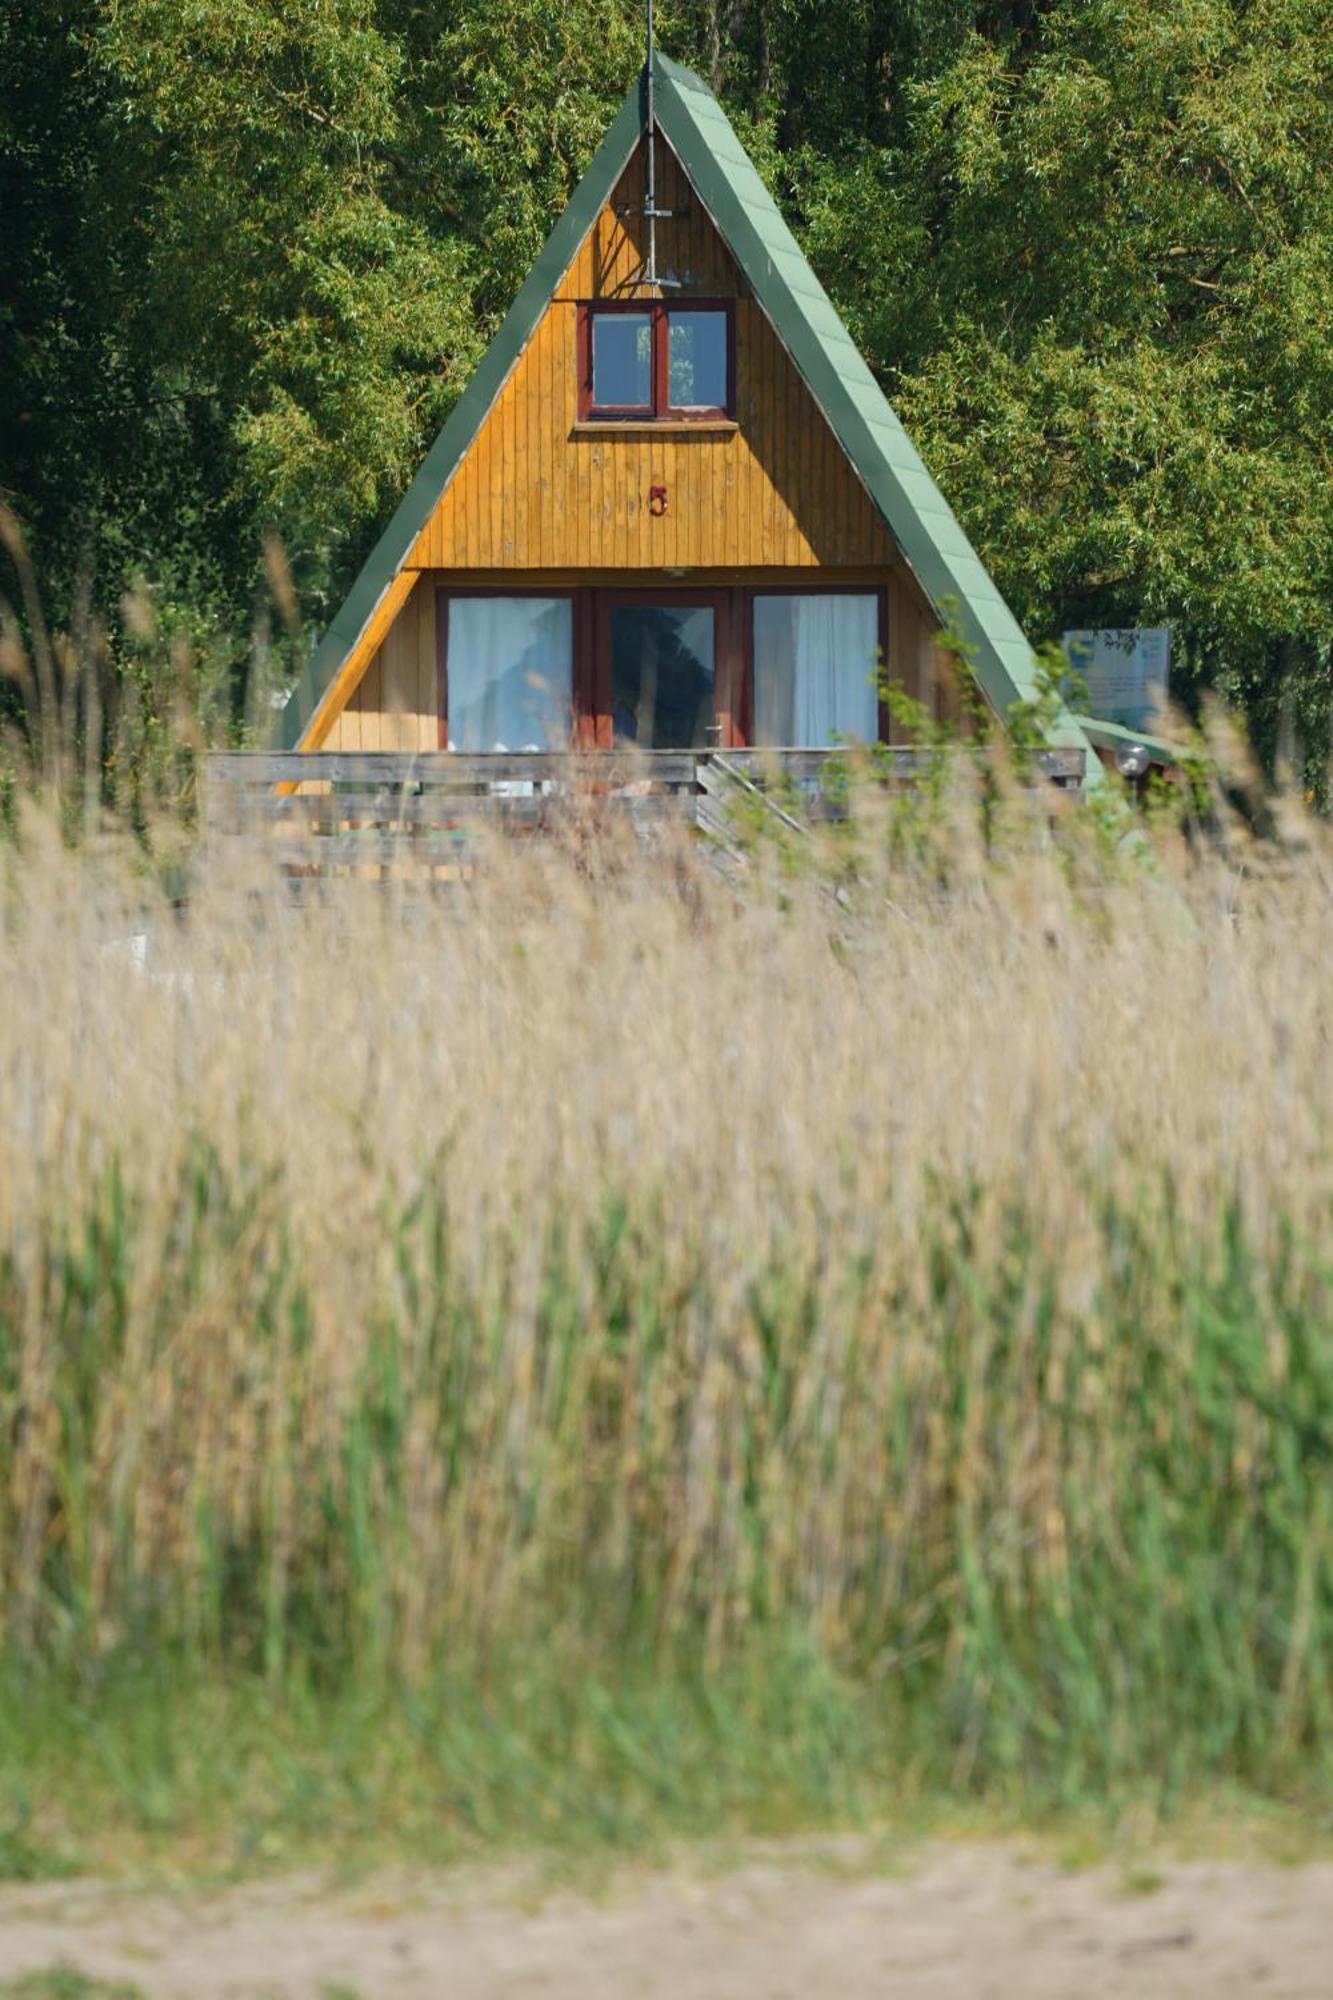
(464, 422)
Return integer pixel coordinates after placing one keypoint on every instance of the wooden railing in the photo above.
(457, 775)
(318, 809)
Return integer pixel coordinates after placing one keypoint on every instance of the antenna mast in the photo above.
(650, 114)
(650, 277)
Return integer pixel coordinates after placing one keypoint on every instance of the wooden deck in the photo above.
(371, 811)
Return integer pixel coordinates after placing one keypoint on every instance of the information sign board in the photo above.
(1126, 672)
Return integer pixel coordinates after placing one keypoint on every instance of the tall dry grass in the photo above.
(928, 1256)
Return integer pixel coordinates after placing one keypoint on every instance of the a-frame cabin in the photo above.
(672, 507)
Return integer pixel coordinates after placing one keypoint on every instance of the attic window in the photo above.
(622, 362)
(652, 362)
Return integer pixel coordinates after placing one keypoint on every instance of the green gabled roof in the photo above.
(466, 419)
(858, 412)
(805, 320)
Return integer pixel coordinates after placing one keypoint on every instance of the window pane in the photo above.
(814, 670)
(622, 361)
(662, 675)
(697, 360)
(509, 673)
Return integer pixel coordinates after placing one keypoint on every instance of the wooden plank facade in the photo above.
(545, 502)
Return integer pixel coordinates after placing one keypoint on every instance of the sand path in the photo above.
(786, 1921)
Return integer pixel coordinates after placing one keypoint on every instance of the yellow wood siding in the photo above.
(536, 492)
(395, 703)
(350, 675)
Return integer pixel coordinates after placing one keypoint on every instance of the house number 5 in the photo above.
(657, 500)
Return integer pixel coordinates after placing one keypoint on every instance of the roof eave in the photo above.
(932, 540)
(469, 413)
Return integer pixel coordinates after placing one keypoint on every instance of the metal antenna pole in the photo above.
(650, 275)
(649, 278)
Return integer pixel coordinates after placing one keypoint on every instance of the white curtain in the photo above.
(814, 670)
(509, 668)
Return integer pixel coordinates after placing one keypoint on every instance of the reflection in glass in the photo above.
(509, 666)
(814, 670)
(622, 361)
(662, 675)
(697, 360)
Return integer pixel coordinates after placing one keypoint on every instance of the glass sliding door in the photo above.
(815, 661)
(675, 668)
(663, 672)
(507, 672)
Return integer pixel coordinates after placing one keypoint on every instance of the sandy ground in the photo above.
(785, 1921)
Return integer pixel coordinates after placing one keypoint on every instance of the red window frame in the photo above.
(820, 589)
(578, 689)
(661, 409)
(733, 607)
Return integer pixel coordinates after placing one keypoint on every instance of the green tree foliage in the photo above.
(253, 248)
(1095, 265)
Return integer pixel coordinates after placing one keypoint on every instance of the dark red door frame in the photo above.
(725, 649)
